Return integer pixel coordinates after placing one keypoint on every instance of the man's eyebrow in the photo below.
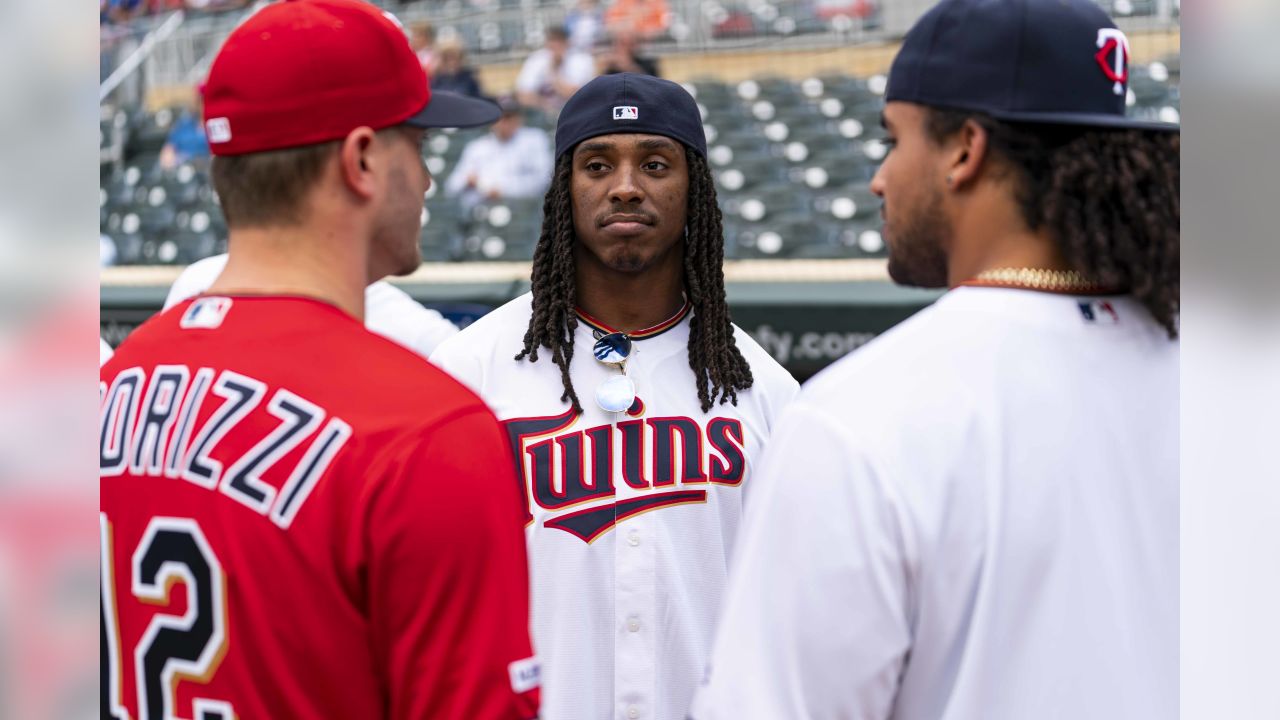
(657, 144)
(884, 123)
(592, 147)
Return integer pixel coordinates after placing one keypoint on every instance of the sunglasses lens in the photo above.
(613, 348)
(616, 394)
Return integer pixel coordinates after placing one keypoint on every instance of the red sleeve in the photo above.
(448, 580)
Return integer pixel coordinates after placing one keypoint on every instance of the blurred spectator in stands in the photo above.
(553, 73)
(452, 72)
(647, 18)
(624, 55)
(186, 139)
(121, 11)
(215, 5)
(585, 25)
(107, 252)
(422, 36)
(510, 161)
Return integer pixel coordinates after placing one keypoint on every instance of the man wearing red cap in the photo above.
(282, 534)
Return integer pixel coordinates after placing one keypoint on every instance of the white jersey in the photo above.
(388, 310)
(975, 516)
(631, 516)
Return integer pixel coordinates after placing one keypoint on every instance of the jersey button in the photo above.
(633, 711)
(633, 538)
(633, 624)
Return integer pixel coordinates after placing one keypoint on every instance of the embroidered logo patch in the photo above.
(1098, 311)
(525, 675)
(1113, 57)
(218, 130)
(205, 313)
(626, 112)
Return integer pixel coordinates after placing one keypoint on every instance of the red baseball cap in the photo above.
(302, 72)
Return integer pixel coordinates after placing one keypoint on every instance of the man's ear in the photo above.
(356, 162)
(967, 154)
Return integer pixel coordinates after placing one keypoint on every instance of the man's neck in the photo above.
(294, 261)
(996, 237)
(630, 302)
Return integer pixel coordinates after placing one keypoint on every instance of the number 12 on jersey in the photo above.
(172, 648)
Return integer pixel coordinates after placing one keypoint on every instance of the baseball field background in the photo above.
(790, 92)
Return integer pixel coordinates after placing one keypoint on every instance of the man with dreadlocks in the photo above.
(636, 410)
(976, 515)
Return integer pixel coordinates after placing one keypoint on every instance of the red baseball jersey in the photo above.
(301, 519)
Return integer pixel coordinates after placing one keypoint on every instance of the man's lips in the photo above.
(626, 219)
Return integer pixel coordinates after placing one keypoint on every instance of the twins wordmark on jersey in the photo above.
(670, 460)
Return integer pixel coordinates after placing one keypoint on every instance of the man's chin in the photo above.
(909, 276)
(406, 265)
(627, 262)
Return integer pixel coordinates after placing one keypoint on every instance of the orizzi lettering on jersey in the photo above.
(157, 429)
(666, 458)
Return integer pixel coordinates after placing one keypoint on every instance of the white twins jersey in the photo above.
(975, 516)
(631, 516)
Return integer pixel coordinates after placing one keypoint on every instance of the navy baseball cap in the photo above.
(630, 103)
(1038, 61)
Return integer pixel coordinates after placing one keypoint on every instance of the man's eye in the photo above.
(655, 166)
(889, 143)
(595, 166)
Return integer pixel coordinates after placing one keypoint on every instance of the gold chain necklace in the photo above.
(1063, 281)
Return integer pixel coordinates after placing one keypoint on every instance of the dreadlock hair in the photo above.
(717, 364)
(1109, 198)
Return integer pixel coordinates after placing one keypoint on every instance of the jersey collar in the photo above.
(645, 333)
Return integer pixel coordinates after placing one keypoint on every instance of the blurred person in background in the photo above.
(107, 252)
(647, 18)
(553, 73)
(186, 139)
(510, 161)
(585, 25)
(121, 11)
(451, 70)
(624, 55)
(422, 37)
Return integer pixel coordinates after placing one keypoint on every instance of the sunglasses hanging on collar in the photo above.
(618, 393)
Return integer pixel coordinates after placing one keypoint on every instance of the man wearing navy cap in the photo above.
(976, 515)
(635, 409)
(301, 518)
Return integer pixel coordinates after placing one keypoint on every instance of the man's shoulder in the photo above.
(195, 279)
(308, 348)
(505, 324)
(538, 58)
(532, 134)
(906, 368)
(483, 143)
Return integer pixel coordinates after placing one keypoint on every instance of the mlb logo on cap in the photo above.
(626, 112)
(218, 130)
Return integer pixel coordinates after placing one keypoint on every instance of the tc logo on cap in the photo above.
(218, 130)
(1113, 56)
(626, 112)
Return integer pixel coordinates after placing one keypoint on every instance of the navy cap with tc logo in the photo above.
(1043, 61)
(630, 103)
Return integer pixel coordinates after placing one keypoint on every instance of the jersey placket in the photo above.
(635, 625)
